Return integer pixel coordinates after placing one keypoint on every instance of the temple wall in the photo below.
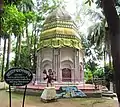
(57, 60)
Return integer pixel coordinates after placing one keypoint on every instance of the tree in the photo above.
(3, 59)
(99, 37)
(92, 67)
(13, 23)
(8, 53)
(108, 75)
(114, 26)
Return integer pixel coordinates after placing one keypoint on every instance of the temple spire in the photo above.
(59, 30)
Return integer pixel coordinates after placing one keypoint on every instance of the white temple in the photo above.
(60, 49)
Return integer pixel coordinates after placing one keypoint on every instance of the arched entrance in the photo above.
(66, 75)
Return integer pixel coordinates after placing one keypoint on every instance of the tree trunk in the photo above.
(0, 46)
(104, 57)
(35, 49)
(28, 42)
(114, 26)
(109, 48)
(19, 49)
(8, 53)
(3, 60)
(110, 61)
(16, 53)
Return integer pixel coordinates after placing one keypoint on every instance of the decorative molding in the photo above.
(60, 42)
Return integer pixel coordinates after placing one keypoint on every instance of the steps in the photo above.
(109, 94)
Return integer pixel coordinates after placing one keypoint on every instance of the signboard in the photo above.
(18, 77)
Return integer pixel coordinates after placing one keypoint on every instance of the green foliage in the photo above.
(93, 71)
(109, 72)
(97, 40)
(88, 76)
(12, 1)
(99, 73)
(25, 5)
(97, 33)
(30, 16)
(24, 58)
(13, 20)
(91, 65)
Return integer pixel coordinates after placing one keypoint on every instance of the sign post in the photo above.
(18, 77)
(24, 96)
(10, 96)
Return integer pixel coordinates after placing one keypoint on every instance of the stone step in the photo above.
(109, 94)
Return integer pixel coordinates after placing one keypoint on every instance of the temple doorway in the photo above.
(66, 75)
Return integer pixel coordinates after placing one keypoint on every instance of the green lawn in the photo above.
(34, 101)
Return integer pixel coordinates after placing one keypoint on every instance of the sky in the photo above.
(75, 5)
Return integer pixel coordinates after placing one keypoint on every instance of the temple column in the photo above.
(82, 72)
(76, 75)
(38, 69)
(77, 66)
(41, 69)
(58, 67)
(53, 60)
(56, 63)
(81, 67)
(74, 65)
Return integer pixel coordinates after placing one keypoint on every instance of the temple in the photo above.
(60, 49)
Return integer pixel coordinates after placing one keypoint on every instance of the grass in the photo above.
(34, 101)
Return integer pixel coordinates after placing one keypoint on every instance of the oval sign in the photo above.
(18, 76)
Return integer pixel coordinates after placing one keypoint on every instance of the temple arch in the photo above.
(46, 64)
(67, 64)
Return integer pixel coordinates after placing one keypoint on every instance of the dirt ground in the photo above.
(34, 101)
